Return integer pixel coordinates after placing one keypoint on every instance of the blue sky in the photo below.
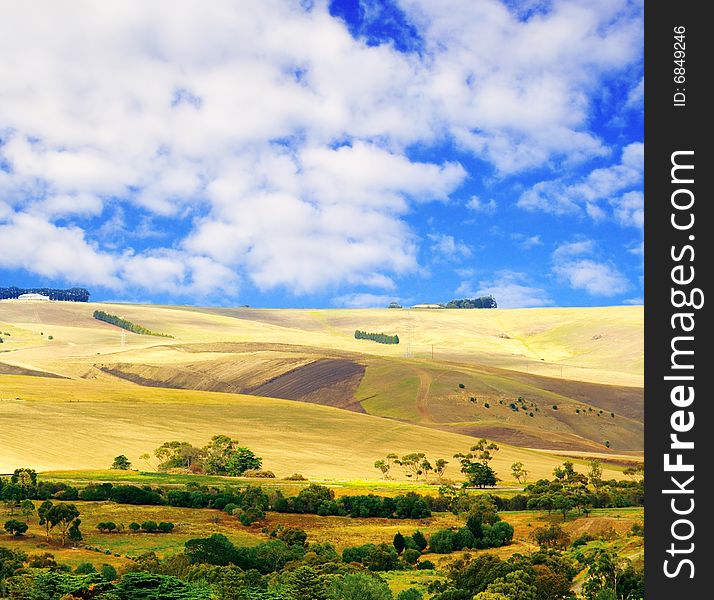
(324, 154)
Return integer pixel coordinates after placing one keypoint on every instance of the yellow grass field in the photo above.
(454, 377)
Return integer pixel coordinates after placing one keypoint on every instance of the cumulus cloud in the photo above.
(273, 143)
(527, 242)
(363, 300)
(561, 197)
(575, 264)
(510, 289)
(477, 205)
(447, 247)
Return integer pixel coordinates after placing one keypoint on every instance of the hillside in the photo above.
(456, 373)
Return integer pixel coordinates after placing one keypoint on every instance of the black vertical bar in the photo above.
(677, 120)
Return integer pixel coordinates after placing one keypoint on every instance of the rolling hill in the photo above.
(563, 380)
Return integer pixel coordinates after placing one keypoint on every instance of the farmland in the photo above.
(557, 390)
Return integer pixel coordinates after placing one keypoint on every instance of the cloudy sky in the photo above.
(300, 153)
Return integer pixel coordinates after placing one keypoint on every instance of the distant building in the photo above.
(32, 297)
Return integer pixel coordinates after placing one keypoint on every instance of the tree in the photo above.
(305, 583)
(177, 455)
(108, 572)
(121, 463)
(552, 536)
(73, 533)
(27, 508)
(410, 594)
(360, 586)
(440, 467)
(214, 550)
(475, 464)
(384, 467)
(419, 540)
(563, 503)
(15, 528)
(63, 517)
(595, 474)
(43, 513)
(399, 542)
(241, 461)
(519, 473)
(517, 585)
(412, 463)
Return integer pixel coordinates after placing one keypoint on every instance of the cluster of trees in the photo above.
(100, 315)
(480, 302)
(320, 500)
(543, 575)
(475, 464)
(484, 529)
(62, 518)
(414, 465)
(221, 456)
(146, 526)
(68, 295)
(382, 338)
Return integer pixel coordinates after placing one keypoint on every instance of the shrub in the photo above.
(419, 540)
(259, 474)
(150, 526)
(425, 565)
(165, 527)
(486, 405)
(134, 527)
(411, 556)
(296, 477)
(85, 569)
(108, 572)
(461, 386)
(441, 542)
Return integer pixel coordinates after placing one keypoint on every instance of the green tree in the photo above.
(43, 512)
(399, 542)
(595, 474)
(412, 463)
(305, 583)
(517, 585)
(108, 572)
(121, 463)
(27, 508)
(410, 594)
(360, 586)
(214, 550)
(383, 467)
(519, 473)
(15, 528)
(419, 540)
(241, 461)
(62, 516)
(440, 467)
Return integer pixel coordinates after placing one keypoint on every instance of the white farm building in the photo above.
(32, 297)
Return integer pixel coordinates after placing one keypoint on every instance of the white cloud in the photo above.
(448, 247)
(478, 205)
(575, 263)
(630, 209)
(634, 301)
(275, 141)
(510, 289)
(570, 249)
(363, 300)
(596, 278)
(527, 242)
(560, 197)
